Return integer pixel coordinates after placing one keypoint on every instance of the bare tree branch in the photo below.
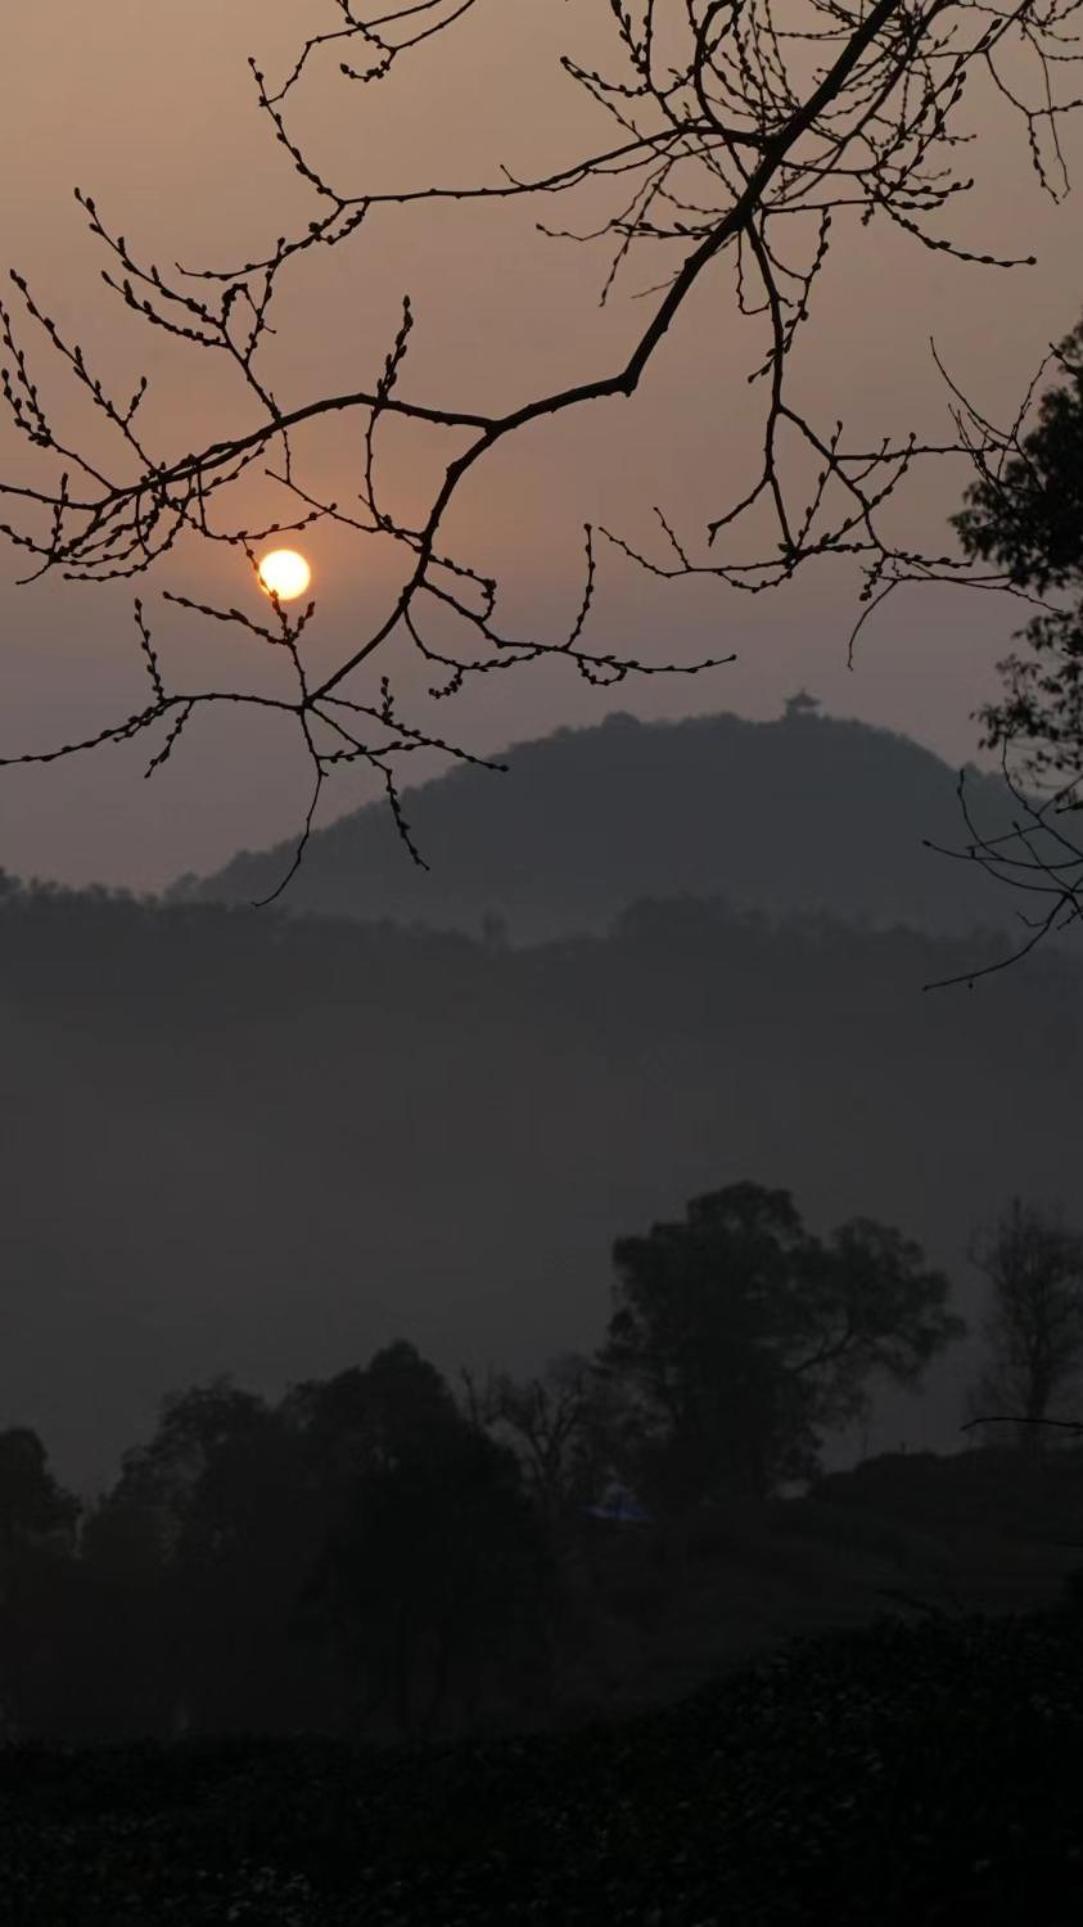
(757, 134)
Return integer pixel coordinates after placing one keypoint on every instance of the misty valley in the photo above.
(526, 1429)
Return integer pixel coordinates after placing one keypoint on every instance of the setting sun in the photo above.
(285, 574)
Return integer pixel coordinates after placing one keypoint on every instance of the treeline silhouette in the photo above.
(377, 1555)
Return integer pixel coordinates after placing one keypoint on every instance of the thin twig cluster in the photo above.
(749, 129)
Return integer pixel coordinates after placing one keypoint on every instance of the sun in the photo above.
(285, 574)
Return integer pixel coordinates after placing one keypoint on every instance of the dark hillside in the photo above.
(915, 1532)
(808, 813)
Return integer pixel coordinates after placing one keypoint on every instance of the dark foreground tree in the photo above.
(435, 1580)
(1024, 513)
(729, 136)
(566, 1425)
(33, 1507)
(38, 1524)
(745, 1339)
(123, 1669)
(1034, 1329)
(358, 1557)
(189, 1570)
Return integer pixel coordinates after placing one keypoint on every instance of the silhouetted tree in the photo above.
(721, 138)
(371, 1418)
(204, 1511)
(1034, 1329)
(38, 1523)
(1025, 512)
(360, 1551)
(121, 1671)
(745, 1337)
(436, 1576)
(33, 1507)
(567, 1426)
(193, 1426)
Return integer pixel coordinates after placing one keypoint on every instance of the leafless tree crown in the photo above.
(750, 128)
(1034, 1330)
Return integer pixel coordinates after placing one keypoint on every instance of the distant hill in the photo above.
(807, 813)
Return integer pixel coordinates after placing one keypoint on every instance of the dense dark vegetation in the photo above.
(367, 1647)
(902, 1774)
(350, 1653)
(368, 1554)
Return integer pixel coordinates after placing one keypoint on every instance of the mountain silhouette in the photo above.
(805, 814)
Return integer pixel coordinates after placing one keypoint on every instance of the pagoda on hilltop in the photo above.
(800, 705)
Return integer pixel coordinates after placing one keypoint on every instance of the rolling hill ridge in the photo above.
(808, 813)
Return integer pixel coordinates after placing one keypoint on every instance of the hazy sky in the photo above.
(151, 109)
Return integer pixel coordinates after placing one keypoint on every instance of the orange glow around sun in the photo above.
(285, 574)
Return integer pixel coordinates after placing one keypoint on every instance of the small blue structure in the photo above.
(619, 1504)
